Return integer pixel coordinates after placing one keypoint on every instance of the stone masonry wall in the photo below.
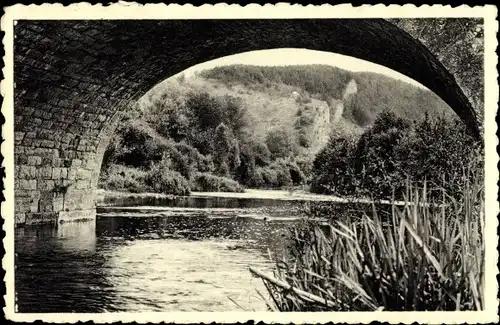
(73, 78)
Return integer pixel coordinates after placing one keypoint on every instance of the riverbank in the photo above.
(248, 194)
(257, 194)
(102, 194)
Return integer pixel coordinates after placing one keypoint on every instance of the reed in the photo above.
(422, 257)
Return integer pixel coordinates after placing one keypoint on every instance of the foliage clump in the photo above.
(205, 182)
(379, 162)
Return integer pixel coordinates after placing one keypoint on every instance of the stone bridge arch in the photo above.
(72, 78)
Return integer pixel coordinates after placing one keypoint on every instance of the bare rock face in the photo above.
(73, 78)
(350, 90)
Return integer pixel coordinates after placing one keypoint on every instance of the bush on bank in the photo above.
(205, 182)
(122, 178)
(201, 133)
(163, 180)
(379, 162)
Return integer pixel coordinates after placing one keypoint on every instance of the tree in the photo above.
(261, 153)
(208, 111)
(226, 151)
(235, 115)
(246, 170)
(459, 44)
(136, 146)
(175, 123)
(376, 158)
(333, 168)
(281, 143)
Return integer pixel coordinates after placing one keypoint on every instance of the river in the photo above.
(154, 254)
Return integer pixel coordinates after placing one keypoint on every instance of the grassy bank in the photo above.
(419, 258)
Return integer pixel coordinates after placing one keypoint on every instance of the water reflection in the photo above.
(58, 270)
(156, 262)
(78, 236)
(203, 202)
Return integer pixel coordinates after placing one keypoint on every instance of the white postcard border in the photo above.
(127, 10)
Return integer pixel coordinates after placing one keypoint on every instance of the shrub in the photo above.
(281, 143)
(424, 258)
(278, 174)
(261, 153)
(245, 171)
(122, 178)
(194, 158)
(163, 180)
(205, 182)
(256, 179)
(175, 122)
(268, 175)
(226, 151)
(176, 161)
(305, 165)
(210, 111)
(229, 185)
(333, 168)
(376, 161)
(297, 177)
(283, 177)
(303, 124)
(137, 146)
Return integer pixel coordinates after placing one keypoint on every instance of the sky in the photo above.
(282, 57)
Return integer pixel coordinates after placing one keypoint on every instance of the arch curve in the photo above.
(73, 78)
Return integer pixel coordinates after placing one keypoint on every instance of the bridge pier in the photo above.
(58, 184)
(50, 187)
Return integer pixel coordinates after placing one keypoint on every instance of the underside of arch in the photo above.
(73, 78)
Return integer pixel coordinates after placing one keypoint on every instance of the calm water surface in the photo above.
(184, 254)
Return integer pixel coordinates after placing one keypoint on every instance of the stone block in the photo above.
(21, 159)
(45, 172)
(22, 205)
(82, 184)
(57, 162)
(72, 173)
(76, 163)
(19, 218)
(45, 207)
(27, 142)
(77, 215)
(47, 144)
(27, 184)
(83, 174)
(78, 199)
(48, 152)
(34, 160)
(41, 218)
(56, 172)
(47, 161)
(33, 207)
(58, 203)
(18, 136)
(27, 172)
(45, 185)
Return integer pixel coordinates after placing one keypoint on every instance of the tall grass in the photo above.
(423, 257)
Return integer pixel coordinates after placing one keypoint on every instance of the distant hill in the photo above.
(375, 92)
(312, 100)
